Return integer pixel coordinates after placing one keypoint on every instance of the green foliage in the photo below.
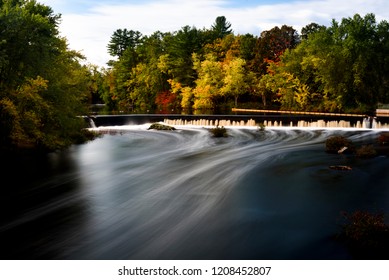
(43, 87)
(221, 27)
(203, 97)
(85, 136)
(339, 68)
(343, 64)
(311, 28)
(28, 39)
(10, 123)
(235, 83)
(179, 47)
(186, 98)
(219, 132)
(143, 86)
(123, 39)
(208, 83)
(286, 89)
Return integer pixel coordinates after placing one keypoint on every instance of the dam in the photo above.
(270, 120)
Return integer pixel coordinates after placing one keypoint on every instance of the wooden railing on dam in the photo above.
(382, 112)
(295, 112)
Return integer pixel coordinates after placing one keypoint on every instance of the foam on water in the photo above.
(183, 194)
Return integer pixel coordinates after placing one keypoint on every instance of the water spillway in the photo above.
(266, 123)
(291, 121)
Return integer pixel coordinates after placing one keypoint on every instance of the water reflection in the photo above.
(182, 194)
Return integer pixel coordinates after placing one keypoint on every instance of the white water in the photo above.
(178, 186)
(147, 194)
(320, 124)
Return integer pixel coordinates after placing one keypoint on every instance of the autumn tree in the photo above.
(208, 83)
(342, 67)
(43, 86)
(272, 44)
(235, 83)
(223, 48)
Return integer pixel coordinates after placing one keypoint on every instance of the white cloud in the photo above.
(90, 32)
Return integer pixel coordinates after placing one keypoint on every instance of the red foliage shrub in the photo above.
(366, 235)
(166, 99)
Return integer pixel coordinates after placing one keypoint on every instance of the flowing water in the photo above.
(183, 194)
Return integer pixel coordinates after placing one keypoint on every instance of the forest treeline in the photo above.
(45, 86)
(340, 68)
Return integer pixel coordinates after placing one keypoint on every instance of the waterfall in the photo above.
(92, 122)
(209, 123)
(279, 124)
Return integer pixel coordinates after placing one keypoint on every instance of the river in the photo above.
(183, 194)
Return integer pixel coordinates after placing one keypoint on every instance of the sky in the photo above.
(89, 24)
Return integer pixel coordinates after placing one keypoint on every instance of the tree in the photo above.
(179, 49)
(108, 89)
(166, 100)
(272, 44)
(222, 48)
(95, 83)
(247, 46)
(310, 29)
(29, 34)
(342, 65)
(361, 46)
(221, 27)
(349, 69)
(285, 88)
(381, 50)
(338, 68)
(142, 87)
(208, 83)
(234, 82)
(43, 87)
(121, 40)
